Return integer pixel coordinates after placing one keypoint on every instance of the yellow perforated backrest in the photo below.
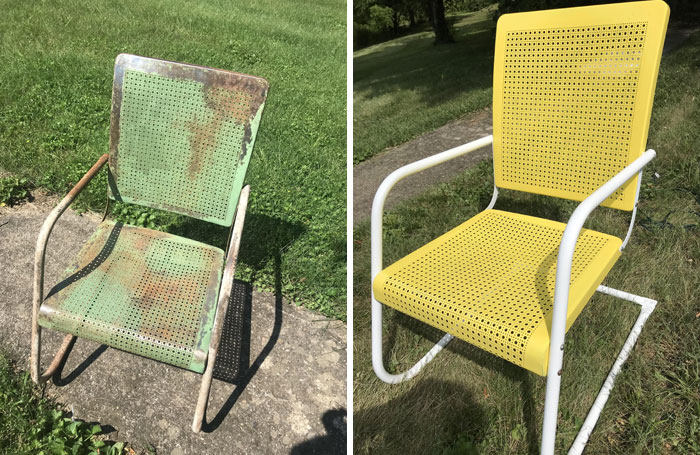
(572, 96)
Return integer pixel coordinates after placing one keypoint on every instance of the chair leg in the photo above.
(648, 306)
(204, 392)
(551, 405)
(222, 306)
(35, 361)
(554, 381)
(377, 355)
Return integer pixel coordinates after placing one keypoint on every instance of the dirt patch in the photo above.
(40, 201)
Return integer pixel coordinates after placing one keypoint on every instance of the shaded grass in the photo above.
(468, 401)
(408, 86)
(55, 94)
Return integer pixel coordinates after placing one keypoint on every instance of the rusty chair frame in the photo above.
(222, 123)
(223, 301)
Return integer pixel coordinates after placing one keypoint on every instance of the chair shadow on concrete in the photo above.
(264, 239)
(334, 442)
(234, 351)
(482, 358)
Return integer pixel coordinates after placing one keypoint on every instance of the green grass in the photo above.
(55, 95)
(467, 401)
(35, 426)
(409, 86)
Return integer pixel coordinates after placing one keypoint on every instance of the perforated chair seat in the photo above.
(142, 291)
(490, 282)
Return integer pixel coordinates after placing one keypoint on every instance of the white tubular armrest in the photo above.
(563, 278)
(376, 249)
(401, 173)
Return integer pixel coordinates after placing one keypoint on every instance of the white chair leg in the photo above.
(377, 356)
(554, 381)
(551, 404)
(648, 306)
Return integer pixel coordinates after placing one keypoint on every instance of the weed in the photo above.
(32, 425)
(13, 190)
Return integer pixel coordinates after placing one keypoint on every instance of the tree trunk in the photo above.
(442, 31)
(411, 17)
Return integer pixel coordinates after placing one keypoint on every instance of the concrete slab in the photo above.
(368, 175)
(282, 386)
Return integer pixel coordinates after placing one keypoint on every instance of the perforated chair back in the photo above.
(573, 90)
(182, 135)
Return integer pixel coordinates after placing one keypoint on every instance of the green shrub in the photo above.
(13, 190)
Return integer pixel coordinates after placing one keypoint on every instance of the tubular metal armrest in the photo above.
(561, 288)
(376, 253)
(39, 257)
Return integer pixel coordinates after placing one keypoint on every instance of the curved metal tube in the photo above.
(39, 256)
(648, 306)
(634, 213)
(222, 306)
(561, 293)
(376, 253)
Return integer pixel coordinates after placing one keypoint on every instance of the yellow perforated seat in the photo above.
(490, 282)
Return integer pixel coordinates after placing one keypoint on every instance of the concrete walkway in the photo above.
(284, 367)
(368, 175)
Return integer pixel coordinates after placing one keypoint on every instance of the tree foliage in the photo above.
(375, 21)
(687, 11)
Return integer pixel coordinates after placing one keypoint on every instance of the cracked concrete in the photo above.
(287, 393)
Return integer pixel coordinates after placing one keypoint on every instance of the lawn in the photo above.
(467, 401)
(55, 96)
(409, 86)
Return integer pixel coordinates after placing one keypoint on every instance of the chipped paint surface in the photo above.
(142, 291)
(181, 135)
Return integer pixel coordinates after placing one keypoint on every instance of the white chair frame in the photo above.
(561, 291)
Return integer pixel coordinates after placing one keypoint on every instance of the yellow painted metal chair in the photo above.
(572, 96)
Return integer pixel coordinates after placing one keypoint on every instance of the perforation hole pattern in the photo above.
(141, 291)
(233, 355)
(489, 283)
(180, 143)
(568, 106)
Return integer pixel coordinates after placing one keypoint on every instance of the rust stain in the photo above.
(157, 298)
(246, 141)
(203, 140)
(155, 294)
(219, 90)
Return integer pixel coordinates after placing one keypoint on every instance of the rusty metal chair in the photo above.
(181, 138)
